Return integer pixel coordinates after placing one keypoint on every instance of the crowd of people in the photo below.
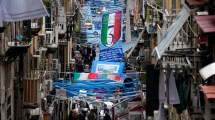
(84, 55)
(82, 111)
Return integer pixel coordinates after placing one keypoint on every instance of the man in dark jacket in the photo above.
(107, 116)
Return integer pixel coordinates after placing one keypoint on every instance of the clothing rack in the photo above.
(177, 65)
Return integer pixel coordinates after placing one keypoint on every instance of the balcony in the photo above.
(51, 46)
(14, 49)
(35, 28)
(20, 44)
(22, 39)
(61, 31)
(31, 86)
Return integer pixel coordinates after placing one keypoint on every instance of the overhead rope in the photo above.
(155, 6)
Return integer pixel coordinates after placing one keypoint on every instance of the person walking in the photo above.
(107, 116)
(91, 115)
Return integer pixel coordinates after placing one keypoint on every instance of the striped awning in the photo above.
(195, 3)
(206, 23)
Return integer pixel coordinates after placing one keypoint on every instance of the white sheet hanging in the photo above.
(173, 92)
(17, 10)
(1, 19)
(161, 112)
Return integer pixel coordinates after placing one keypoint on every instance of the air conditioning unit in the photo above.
(55, 64)
(49, 37)
(48, 84)
(36, 62)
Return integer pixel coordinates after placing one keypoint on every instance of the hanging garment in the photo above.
(173, 93)
(182, 95)
(152, 88)
(187, 86)
(1, 19)
(161, 87)
(161, 112)
(17, 10)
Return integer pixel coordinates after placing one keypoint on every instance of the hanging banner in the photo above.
(107, 67)
(93, 36)
(111, 55)
(95, 76)
(111, 33)
(86, 12)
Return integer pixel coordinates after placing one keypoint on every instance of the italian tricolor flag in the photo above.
(111, 28)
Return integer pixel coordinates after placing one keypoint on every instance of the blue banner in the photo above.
(111, 55)
(111, 32)
(107, 67)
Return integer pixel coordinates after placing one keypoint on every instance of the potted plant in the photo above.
(24, 40)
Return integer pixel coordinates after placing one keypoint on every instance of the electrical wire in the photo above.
(195, 35)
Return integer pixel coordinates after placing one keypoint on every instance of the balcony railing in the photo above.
(35, 28)
(21, 39)
(63, 41)
(31, 86)
(17, 43)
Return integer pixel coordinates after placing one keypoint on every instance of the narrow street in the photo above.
(107, 59)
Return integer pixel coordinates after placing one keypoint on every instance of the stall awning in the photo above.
(171, 32)
(194, 3)
(206, 23)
